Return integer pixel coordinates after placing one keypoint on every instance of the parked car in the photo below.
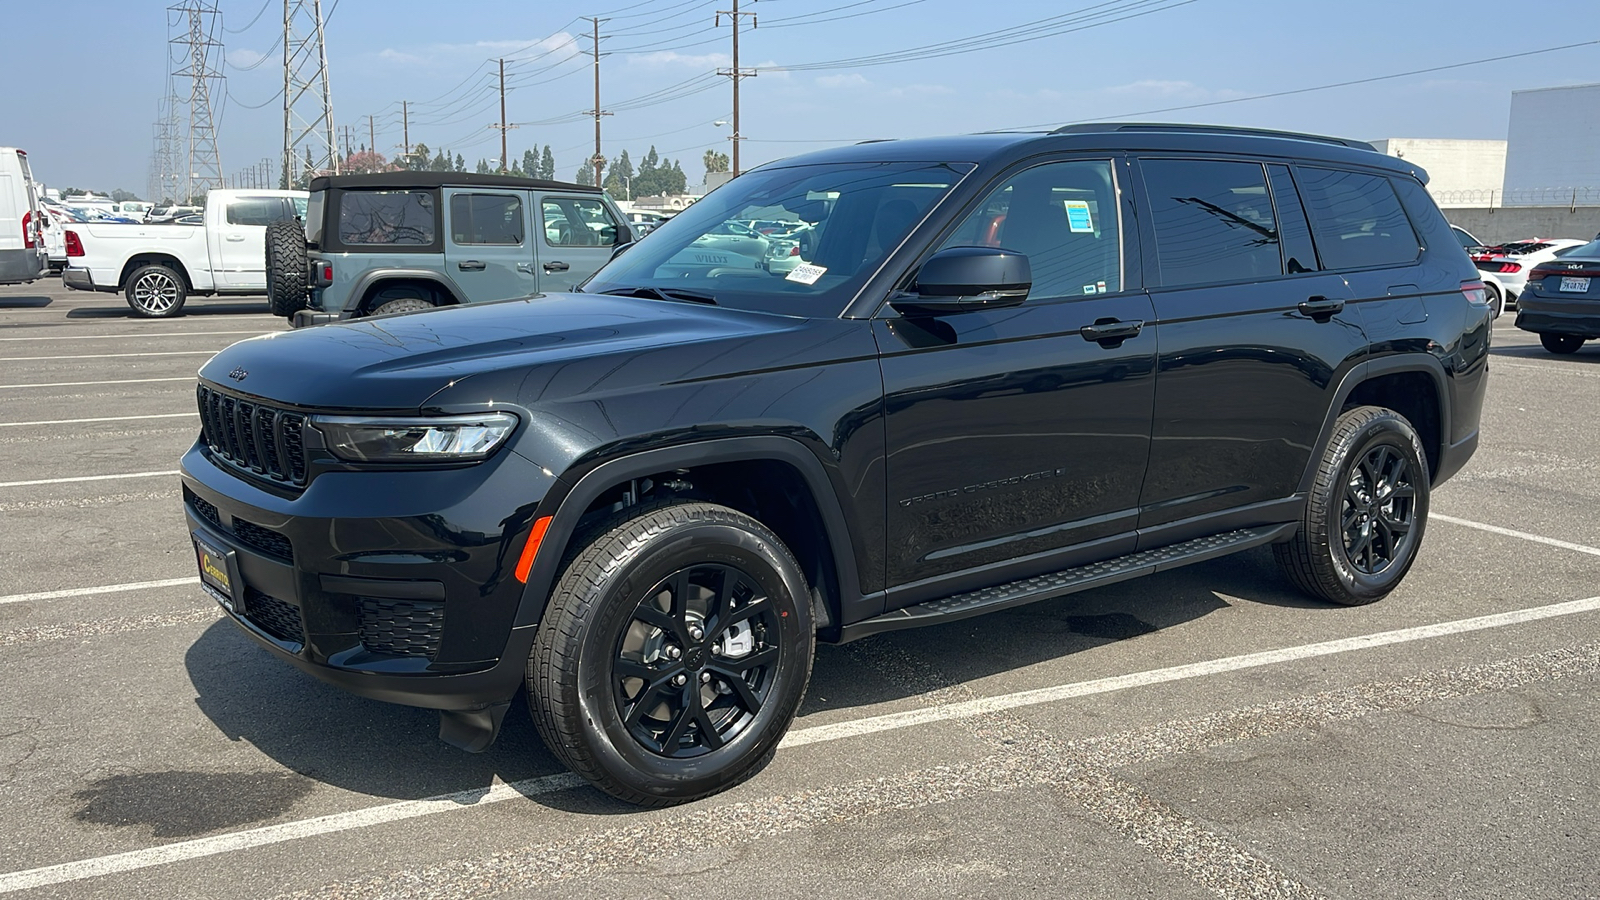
(1015, 366)
(1495, 291)
(406, 241)
(642, 223)
(1511, 263)
(23, 257)
(159, 267)
(1469, 241)
(1562, 301)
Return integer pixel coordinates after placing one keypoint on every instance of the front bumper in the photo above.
(1548, 315)
(395, 586)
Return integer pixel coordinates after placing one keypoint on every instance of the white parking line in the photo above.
(410, 809)
(88, 383)
(99, 419)
(101, 589)
(102, 337)
(1507, 532)
(7, 484)
(1548, 367)
(108, 355)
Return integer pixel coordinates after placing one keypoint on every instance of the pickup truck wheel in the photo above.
(156, 292)
(1368, 507)
(673, 655)
(402, 305)
(286, 268)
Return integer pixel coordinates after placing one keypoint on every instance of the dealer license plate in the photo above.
(1575, 285)
(214, 572)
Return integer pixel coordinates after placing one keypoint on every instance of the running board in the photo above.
(1069, 581)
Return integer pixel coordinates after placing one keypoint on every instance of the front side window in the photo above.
(578, 222)
(1357, 218)
(486, 219)
(1213, 220)
(1063, 217)
(386, 218)
(262, 211)
(825, 229)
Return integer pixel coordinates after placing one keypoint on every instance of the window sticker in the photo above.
(805, 273)
(1079, 221)
(1099, 287)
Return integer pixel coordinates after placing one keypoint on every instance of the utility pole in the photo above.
(736, 73)
(599, 159)
(503, 127)
(307, 98)
(372, 136)
(204, 163)
(405, 129)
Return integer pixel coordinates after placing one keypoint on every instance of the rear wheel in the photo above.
(156, 292)
(286, 268)
(1368, 507)
(401, 305)
(1561, 344)
(1497, 300)
(673, 655)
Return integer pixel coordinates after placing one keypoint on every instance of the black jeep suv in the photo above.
(942, 377)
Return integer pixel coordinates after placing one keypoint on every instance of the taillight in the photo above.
(795, 250)
(1475, 292)
(74, 243)
(324, 274)
(27, 230)
(1510, 268)
(1545, 270)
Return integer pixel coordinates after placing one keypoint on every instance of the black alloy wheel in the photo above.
(674, 652)
(695, 665)
(1378, 510)
(1368, 508)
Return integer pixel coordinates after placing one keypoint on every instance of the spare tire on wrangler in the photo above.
(286, 268)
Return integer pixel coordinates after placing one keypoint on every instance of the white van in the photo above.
(22, 253)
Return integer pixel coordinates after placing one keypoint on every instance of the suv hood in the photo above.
(396, 363)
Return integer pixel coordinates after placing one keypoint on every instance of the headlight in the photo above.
(400, 440)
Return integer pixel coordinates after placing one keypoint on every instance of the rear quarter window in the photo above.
(387, 218)
(262, 211)
(1357, 219)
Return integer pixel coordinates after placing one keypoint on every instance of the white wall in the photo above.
(1555, 142)
(1460, 172)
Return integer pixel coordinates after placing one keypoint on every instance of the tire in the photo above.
(401, 305)
(1561, 344)
(286, 268)
(1372, 479)
(155, 292)
(1497, 301)
(743, 683)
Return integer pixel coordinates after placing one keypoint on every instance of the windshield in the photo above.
(799, 240)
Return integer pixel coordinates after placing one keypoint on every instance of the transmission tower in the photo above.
(168, 156)
(201, 56)
(307, 99)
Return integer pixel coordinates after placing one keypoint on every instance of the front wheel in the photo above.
(673, 655)
(1561, 344)
(1368, 507)
(156, 292)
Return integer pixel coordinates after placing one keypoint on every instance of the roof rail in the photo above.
(1102, 127)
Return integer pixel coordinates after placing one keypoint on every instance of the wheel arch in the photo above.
(768, 472)
(1413, 385)
(140, 260)
(370, 284)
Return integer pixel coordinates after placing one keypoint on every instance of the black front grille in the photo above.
(402, 627)
(275, 617)
(263, 539)
(255, 436)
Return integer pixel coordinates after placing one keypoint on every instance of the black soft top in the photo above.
(405, 179)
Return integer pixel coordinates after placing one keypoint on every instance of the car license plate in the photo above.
(214, 571)
(1575, 285)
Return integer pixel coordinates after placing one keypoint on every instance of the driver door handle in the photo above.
(556, 267)
(472, 265)
(1321, 309)
(235, 237)
(1111, 332)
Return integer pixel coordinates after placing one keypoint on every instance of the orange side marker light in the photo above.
(531, 549)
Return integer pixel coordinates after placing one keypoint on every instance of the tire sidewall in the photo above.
(1385, 428)
(614, 749)
(177, 281)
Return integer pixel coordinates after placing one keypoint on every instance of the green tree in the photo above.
(673, 180)
(119, 195)
(715, 162)
(547, 164)
(439, 163)
(530, 163)
(619, 180)
(483, 167)
(418, 159)
(461, 163)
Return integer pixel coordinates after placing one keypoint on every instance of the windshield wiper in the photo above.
(656, 293)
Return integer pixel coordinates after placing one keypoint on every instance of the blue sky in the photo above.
(95, 79)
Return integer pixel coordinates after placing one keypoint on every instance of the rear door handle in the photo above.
(1321, 309)
(525, 267)
(556, 267)
(1111, 332)
(235, 237)
(472, 265)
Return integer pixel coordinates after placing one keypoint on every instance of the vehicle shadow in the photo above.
(25, 302)
(387, 750)
(207, 309)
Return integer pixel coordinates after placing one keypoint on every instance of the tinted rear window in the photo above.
(386, 218)
(1357, 219)
(261, 211)
(1213, 220)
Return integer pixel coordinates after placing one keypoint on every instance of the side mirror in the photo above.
(967, 279)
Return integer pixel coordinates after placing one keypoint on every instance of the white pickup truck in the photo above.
(158, 267)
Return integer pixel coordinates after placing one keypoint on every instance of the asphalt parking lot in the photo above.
(1202, 733)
